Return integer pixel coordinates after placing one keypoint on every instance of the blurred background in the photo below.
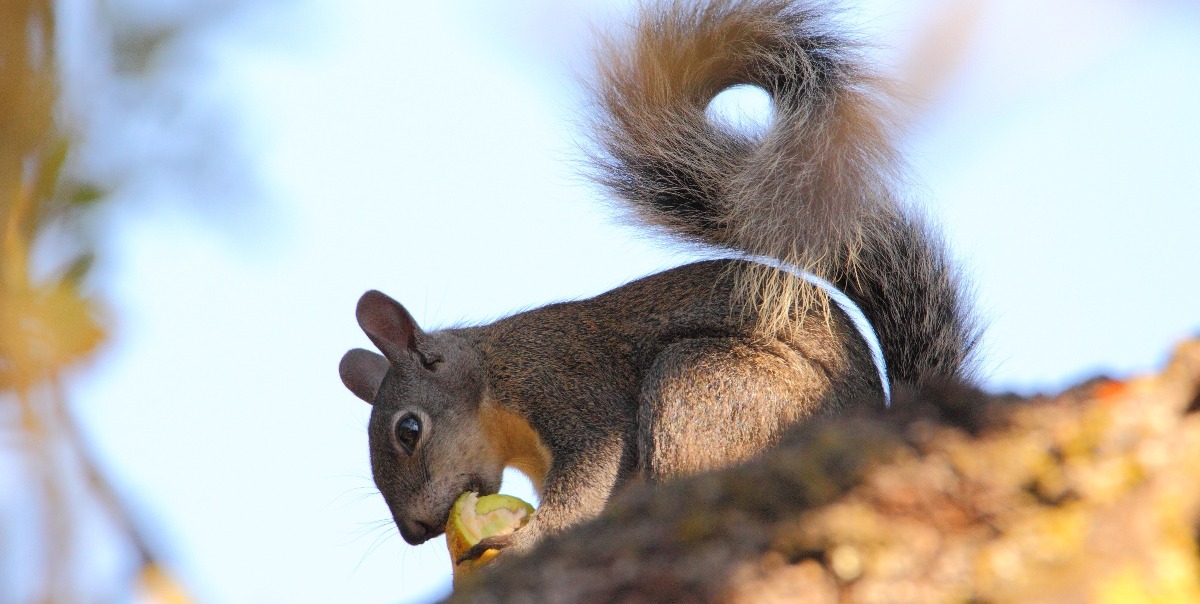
(193, 194)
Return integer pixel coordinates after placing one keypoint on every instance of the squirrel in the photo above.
(708, 364)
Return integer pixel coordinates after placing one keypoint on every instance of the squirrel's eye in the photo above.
(408, 432)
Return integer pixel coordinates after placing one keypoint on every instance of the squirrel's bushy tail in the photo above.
(816, 190)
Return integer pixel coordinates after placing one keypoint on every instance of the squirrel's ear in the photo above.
(362, 372)
(388, 324)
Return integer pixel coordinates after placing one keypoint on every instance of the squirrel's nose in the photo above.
(416, 532)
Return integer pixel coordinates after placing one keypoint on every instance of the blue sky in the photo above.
(427, 150)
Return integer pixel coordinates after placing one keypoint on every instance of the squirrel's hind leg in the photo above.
(712, 402)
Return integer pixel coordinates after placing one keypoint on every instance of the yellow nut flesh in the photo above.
(473, 518)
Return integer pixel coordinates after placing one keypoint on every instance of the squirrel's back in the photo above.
(702, 366)
(817, 190)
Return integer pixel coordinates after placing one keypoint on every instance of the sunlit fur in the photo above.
(816, 190)
(704, 365)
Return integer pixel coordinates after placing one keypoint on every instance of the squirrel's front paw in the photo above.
(516, 543)
(498, 542)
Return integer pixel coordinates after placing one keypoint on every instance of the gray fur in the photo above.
(817, 190)
(701, 366)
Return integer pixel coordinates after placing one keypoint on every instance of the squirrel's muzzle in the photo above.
(416, 532)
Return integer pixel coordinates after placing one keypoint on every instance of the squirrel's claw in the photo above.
(477, 550)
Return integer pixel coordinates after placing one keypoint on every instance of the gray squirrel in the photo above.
(704, 365)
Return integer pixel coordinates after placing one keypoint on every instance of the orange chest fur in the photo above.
(519, 445)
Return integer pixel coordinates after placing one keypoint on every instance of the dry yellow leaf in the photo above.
(44, 330)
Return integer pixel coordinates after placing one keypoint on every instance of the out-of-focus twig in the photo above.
(97, 482)
(47, 324)
(939, 50)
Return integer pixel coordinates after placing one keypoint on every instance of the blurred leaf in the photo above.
(50, 169)
(50, 325)
(160, 587)
(85, 194)
(136, 52)
(79, 269)
(941, 48)
(44, 330)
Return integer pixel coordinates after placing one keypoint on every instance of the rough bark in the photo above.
(953, 495)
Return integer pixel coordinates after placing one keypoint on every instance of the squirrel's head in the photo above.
(428, 444)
